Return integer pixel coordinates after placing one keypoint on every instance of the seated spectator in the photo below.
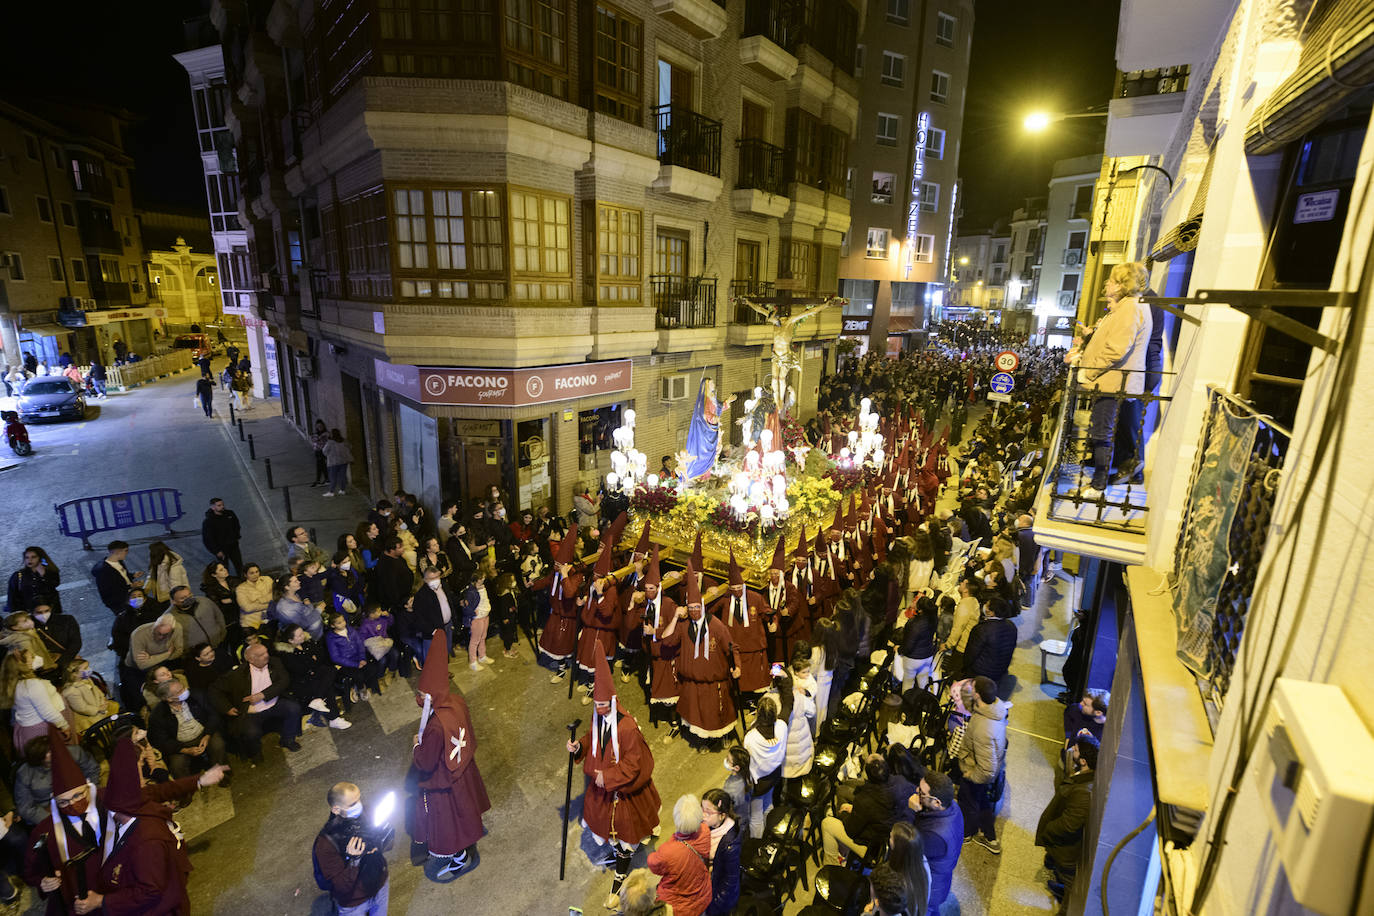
(680, 861)
(20, 632)
(59, 633)
(84, 697)
(185, 729)
(204, 665)
(300, 549)
(718, 814)
(344, 586)
(155, 679)
(941, 826)
(156, 643)
(312, 676)
(867, 821)
(199, 619)
(314, 583)
(33, 779)
(254, 595)
(34, 700)
(357, 671)
(991, 642)
(376, 632)
(289, 606)
(1087, 715)
(252, 697)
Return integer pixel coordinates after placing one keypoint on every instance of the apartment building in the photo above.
(912, 75)
(204, 66)
(1226, 600)
(1025, 257)
(74, 278)
(483, 235)
(1068, 212)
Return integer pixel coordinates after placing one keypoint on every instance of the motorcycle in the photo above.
(17, 434)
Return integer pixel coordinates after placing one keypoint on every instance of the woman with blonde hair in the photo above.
(83, 696)
(35, 701)
(1113, 364)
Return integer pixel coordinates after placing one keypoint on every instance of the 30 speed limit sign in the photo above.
(1007, 361)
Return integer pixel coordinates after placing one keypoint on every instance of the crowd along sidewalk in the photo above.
(280, 462)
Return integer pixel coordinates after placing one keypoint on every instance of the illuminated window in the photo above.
(408, 207)
(924, 248)
(882, 187)
(618, 246)
(877, 243)
(541, 246)
(449, 243)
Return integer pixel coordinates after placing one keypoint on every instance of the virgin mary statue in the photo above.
(703, 435)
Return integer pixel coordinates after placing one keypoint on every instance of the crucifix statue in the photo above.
(779, 312)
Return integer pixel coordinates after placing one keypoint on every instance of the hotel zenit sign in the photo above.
(504, 387)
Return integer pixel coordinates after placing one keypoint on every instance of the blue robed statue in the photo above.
(703, 435)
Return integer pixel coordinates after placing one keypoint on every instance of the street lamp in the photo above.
(1039, 121)
(964, 260)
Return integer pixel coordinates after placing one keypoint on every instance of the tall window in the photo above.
(747, 264)
(798, 259)
(223, 194)
(1082, 202)
(15, 262)
(877, 243)
(367, 259)
(939, 86)
(882, 187)
(541, 246)
(858, 60)
(619, 242)
(448, 243)
(834, 160)
(619, 64)
(899, 11)
(944, 29)
(536, 43)
(935, 143)
(804, 139)
(930, 196)
(894, 69)
(55, 269)
(78, 270)
(671, 247)
(924, 248)
(44, 209)
(4, 201)
(209, 103)
(888, 127)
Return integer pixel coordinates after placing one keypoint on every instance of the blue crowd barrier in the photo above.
(81, 518)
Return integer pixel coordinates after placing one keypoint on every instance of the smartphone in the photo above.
(574, 911)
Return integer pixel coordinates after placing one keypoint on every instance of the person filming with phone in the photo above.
(350, 853)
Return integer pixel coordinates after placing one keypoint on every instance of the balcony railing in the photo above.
(1097, 476)
(106, 238)
(688, 139)
(760, 166)
(753, 289)
(97, 186)
(684, 302)
(776, 20)
(319, 289)
(111, 294)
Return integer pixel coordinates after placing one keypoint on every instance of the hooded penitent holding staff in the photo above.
(451, 796)
(703, 434)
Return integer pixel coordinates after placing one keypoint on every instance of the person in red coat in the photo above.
(658, 612)
(784, 609)
(680, 862)
(705, 664)
(620, 805)
(451, 798)
(564, 586)
(600, 621)
(143, 865)
(744, 613)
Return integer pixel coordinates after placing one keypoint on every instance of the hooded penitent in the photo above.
(603, 691)
(566, 547)
(642, 548)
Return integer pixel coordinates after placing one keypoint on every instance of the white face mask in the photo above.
(726, 763)
(434, 584)
(345, 566)
(354, 811)
(182, 697)
(401, 527)
(42, 618)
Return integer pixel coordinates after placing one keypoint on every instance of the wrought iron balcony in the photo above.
(684, 302)
(688, 139)
(761, 166)
(752, 288)
(777, 20)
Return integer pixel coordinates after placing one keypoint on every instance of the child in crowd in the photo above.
(376, 633)
(85, 699)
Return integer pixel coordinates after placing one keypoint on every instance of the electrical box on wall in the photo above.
(1316, 788)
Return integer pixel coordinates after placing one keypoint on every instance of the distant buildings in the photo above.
(182, 271)
(73, 276)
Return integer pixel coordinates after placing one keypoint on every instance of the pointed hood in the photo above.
(434, 678)
(801, 553)
(852, 521)
(838, 523)
(651, 574)
(697, 561)
(643, 546)
(603, 560)
(604, 692)
(618, 528)
(124, 790)
(693, 589)
(780, 553)
(736, 577)
(566, 547)
(66, 775)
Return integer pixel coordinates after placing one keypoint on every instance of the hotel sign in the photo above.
(504, 387)
(918, 174)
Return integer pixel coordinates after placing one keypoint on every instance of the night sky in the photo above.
(1051, 55)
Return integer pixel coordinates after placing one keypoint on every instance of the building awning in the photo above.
(1337, 61)
(45, 330)
(1184, 236)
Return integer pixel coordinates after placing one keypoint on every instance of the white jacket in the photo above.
(800, 748)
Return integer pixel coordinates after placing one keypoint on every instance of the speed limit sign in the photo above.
(1007, 361)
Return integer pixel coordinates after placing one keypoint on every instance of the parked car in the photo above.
(198, 344)
(51, 398)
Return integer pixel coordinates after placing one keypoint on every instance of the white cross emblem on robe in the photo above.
(458, 744)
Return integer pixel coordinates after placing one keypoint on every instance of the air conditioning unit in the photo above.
(1066, 298)
(305, 366)
(1073, 257)
(673, 388)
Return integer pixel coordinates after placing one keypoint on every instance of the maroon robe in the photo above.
(146, 872)
(751, 642)
(826, 581)
(451, 797)
(626, 809)
(600, 624)
(705, 702)
(630, 633)
(791, 614)
(663, 686)
(559, 639)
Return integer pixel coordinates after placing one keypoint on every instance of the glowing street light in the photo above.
(963, 260)
(1037, 121)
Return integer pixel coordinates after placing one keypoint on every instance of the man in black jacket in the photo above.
(113, 579)
(432, 609)
(991, 642)
(1064, 819)
(185, 729)
(350, 864)
(392, 580)
(220, 534)
(60, 633)
(253, 699)
(866, 822)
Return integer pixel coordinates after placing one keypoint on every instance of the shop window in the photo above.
(541, 246)
(616, 250)
(594, 428)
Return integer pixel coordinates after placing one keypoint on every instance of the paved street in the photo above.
(250, 844)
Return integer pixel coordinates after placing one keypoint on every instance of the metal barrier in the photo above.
(145, 370)
(81, 518)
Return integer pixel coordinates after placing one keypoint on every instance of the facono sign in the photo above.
(504, 387)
